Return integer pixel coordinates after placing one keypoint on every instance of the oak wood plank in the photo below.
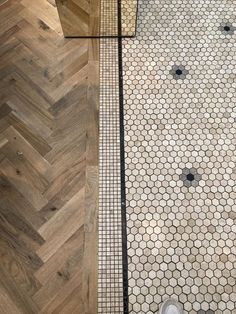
(62, 225)
(22, 185)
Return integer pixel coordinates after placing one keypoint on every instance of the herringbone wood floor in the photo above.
(48, 163)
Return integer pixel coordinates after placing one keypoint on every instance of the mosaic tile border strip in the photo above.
(118, 18)
(111, 237)
(109, 18)
(104, 18)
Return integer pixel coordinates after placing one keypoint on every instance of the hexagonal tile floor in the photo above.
(180, 119)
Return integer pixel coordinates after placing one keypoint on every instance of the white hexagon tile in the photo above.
(180, 119)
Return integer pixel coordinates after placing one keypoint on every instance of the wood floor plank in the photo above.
(79, 18)
(61, 218)
(23, 112)
(7, 305)
(24, 166)
(27, 151)
(72, 304)
(19, 181)
(90, 273)
(16, 219)
(3, 142)
(64, 257)
(65, 292)
(68, 221)
(67, 181)
(24, 303)
(49, 105)
(19, 203)
(59, 278)
(35, 139)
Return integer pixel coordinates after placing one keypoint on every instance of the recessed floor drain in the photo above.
(190, 177)
(227, 28)
(178, 72)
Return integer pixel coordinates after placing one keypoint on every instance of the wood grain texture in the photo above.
(79, 17)
(49, 103)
